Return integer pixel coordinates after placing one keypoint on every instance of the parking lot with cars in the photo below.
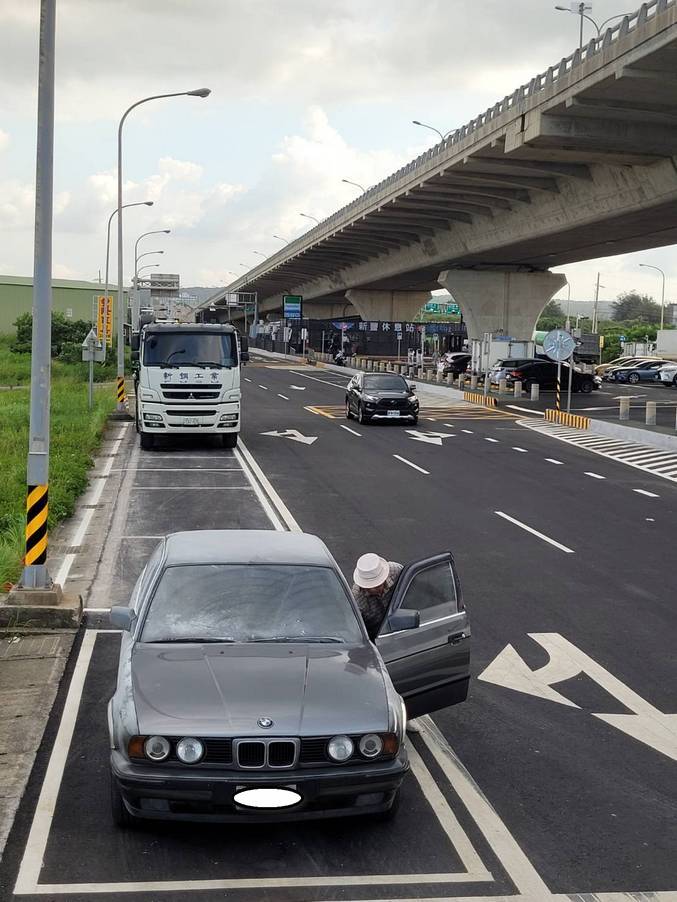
(554, 777)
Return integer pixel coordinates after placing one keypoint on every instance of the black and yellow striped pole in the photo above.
(559, 385)
(120, 390)
(35, 574)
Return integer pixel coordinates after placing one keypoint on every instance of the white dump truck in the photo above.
(187, 380)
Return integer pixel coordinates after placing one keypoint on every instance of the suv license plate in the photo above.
(393, 413)
(191, 421)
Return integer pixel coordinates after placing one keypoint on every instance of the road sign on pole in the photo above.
(292, 306)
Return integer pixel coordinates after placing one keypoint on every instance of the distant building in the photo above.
(76, 300)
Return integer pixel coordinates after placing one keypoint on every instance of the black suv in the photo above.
(544, 373)
(381, 396)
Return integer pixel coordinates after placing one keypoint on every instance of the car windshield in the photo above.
(204, 349)
(385, 383)
(250, 602)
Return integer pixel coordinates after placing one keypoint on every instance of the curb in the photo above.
(576, 421)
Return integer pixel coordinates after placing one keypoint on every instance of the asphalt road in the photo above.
(585, 805)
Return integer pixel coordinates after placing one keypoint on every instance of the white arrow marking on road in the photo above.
(294, 435)
(433, 438)
(647, 724)
(298, 387)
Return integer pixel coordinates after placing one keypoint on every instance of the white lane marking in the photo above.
(551, 460)
(293, 435)
(648, 494)
(449, 425)
(535, 532)
(521, 450)
(123, 430)
(82, 528)
(410, 464)
(518, 867)
(494, 440)
(264, 387)
(536, 413)
(96, 610)
(243, 452)
(263, 501)
(298, 387)
(348, 429)
(247, 380)
(116, 447)
(98, 491)
(182, 469)
(468, 431)
(284, 397)
(595, 475)
(108, 467)
(565, 661)
(324, 381)
(31, 863)
(192, 488)
(64, 570)
(431, 438)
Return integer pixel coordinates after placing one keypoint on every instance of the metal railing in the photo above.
(565, 67)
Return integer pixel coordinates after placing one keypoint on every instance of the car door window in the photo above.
(432, 592)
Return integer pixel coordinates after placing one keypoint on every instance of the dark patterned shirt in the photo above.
(373, 607)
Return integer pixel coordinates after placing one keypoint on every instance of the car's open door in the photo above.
(429, 663)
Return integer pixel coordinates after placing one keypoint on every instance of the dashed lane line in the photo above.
(410, 464)
(494, 440)
(644, 492)
(521, 450)
(595, 475)
(552, 460)
(348, 429)
(264, 387)
(284, 397)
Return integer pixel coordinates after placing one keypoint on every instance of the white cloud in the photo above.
(4, 140)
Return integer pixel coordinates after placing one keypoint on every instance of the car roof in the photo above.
(245, 546)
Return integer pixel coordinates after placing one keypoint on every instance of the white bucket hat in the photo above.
(371, 571)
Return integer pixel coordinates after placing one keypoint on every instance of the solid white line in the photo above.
(537, 413)
(275, 499)
(185, 469)
(348, 429)
(648, 494)
(31, 863)
(521, 450)
(192, 488)
(595, 475)
(284, 397)
(96, 610)
(82, 528)
(109, 466)
(263, 501)
(64, 570)
(410, 464)
(247, 380)
(264, 387)
(534, 532)
(504, 846)
(468, 431)
(98, 491)
(551, 460)
(116, 447)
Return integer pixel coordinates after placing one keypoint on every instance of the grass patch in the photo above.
(75, 435)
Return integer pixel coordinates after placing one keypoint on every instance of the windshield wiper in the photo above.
(205, 363)
(197, 640)
(165, 365)
(294, 639)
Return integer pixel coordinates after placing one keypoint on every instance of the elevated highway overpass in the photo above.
(579, 163)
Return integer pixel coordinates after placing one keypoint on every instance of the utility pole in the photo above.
(35, 574)
(594, 312)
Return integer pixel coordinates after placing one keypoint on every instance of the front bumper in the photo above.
(187, 794)
(189, 419)
(385, 413)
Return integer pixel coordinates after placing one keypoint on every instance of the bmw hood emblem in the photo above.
(265, 722)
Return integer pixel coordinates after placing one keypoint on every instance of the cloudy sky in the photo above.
(304, 93)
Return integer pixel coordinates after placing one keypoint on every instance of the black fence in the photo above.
(376, 339)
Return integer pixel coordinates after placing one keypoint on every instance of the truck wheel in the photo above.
(229, 440)
(147, 441)
(121, 817)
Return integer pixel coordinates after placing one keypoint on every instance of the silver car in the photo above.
(248, 689)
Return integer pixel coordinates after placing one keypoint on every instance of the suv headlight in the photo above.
(340, 748)
(371, 399)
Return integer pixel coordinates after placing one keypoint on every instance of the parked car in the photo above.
(248, 688)
(602, 368)
(544, 373)
(502, 368)
(455, 364)
(668, 375)
(381, 396)
(647, 371)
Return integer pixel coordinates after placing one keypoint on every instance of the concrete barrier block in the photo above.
(502, 386)
(535, 392)
(650, 413)
(518, 388)
(624, 409)
(473, 383)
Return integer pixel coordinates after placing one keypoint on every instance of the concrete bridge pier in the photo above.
(499, 299)
(389, 306)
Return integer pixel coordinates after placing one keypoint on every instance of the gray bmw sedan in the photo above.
(248, 688)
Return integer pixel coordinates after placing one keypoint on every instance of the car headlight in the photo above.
(189, 750)
(340, 748)
(156, 748)
(147, 395)
(372, 399)
(371, 745)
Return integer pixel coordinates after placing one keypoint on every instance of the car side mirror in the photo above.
(135, 356)
(135, 341)
(244, 356)
(404, 620)
(123, 618)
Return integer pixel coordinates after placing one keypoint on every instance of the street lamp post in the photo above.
(265, 256)
(580, 9)
(658, 269)
(135, 302)
(284, 240)
(356, 184)
(433, 129)
(308, 216)
(199, 92)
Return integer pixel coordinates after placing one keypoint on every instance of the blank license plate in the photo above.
(191, 421)
(393, 413)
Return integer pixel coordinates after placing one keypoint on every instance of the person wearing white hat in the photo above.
(374, 579)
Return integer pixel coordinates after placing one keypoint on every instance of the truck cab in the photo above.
(187, 380)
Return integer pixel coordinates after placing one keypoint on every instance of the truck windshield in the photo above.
(207, 349)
